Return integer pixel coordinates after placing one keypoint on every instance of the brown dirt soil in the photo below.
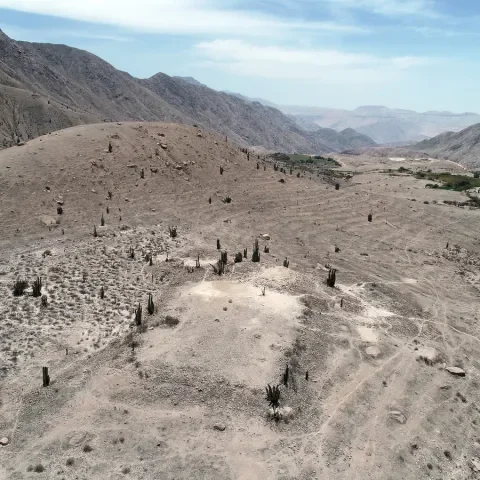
(183, 396)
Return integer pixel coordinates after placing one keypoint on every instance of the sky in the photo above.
(415, 54)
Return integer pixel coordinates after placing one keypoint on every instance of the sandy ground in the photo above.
(184, 396)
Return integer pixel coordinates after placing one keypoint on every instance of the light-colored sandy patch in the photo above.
(230, 327)
(367, 334)
(397, 159)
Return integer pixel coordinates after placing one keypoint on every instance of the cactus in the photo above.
(197, 262)
(266, 249)
(286, 376)
(245, 253)
(291, 171)
(131, 253)
(263, 290)
(46, 377)
(209, 200)
(370, 217)
(142, 173)
(218, 244)
(37, 287)
(219, 268)
(95, 234)
(332, 277)
(286, 262)
(102, 221)
(172, 231)
(150, 305)
(19, 287)
(227, 199)
(138, 315)
(108, 209)
(221, 170)
(238, 257)
(59, 210)
(258, 166)
(337, 186)
(102, 293)
(110, 147)
(44, 301)
(273, 398)
(256, 252)
(110, 194)
(150, 262)
(298, 174)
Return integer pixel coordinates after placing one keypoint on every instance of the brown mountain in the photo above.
(46, 87)
(462, 147)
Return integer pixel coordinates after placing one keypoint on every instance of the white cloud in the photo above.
(322, 65)
(393, 8)
(175, 16)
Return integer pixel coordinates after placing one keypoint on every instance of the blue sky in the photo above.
(416, 54)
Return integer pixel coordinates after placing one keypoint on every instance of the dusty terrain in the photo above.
(183, 397)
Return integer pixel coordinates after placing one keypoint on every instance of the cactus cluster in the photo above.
(332, 277)
(172, 231)
(37, 287)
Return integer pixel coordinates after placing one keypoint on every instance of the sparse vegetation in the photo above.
(172, 231)
(37, 287)
(150, 305)
(273, 399)
(138, 315)
(19, 287)
(332, 277)
(256, 252)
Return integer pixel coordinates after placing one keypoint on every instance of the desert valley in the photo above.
(179, 300)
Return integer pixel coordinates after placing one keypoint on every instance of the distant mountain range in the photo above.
(384, 125)
(46, 87)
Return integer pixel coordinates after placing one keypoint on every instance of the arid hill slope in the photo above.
(82, 88)
(183, 395)
(462, 147)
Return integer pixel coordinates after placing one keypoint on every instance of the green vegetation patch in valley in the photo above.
(449, 181)
(301, 159)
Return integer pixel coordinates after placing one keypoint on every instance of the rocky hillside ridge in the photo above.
(46, 87)
(462, 147)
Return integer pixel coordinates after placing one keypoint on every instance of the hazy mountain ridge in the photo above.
(65, 86)
(462, 147)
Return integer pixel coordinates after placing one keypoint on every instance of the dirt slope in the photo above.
(184, 398)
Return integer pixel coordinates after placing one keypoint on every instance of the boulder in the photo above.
(4, 441)
(455, 371)
(398, 416)
(220, 427)
(48, 220)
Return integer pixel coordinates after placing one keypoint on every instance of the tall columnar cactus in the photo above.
(131, 253)
(256, 252)
(138, 315)
(332, 277)
(370, 217)
(286, 262)
(197, 262)
(150, 304)
(37, 287)
(95, 234)
(245, 253)
(221, 170)
(218, 244)
(142, 173)
(102, 221)
(102, 292)
(110, 147)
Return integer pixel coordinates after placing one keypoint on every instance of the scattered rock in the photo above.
(220, 427)
(164, 146)
(455, 371)
(4, 441)
(265, 236)
(475, 464)
(48, 221)
(398, 416)
(372, 351)
(132, 165)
